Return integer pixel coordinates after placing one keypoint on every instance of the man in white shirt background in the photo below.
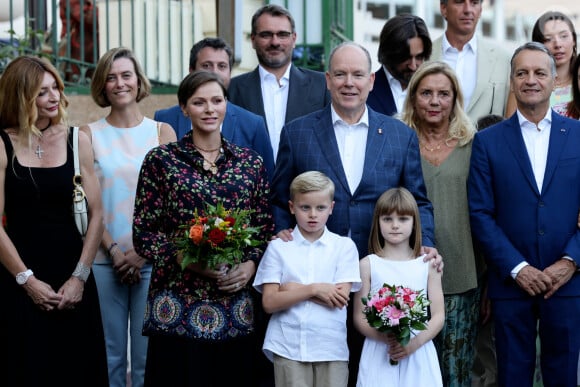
(482, 67)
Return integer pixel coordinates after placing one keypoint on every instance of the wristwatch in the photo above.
(22, 277)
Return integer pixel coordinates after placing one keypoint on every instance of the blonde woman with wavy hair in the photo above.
(51, 332)
(19, 104)
(434, 109)
(459, 125)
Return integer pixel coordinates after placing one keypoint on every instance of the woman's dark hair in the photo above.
(193, 81)
(538, 30)
(573, 109)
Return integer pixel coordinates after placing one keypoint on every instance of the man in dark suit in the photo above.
(363, 152)
(277, 90)
(240, 126)
(404, 45)
(524, 195)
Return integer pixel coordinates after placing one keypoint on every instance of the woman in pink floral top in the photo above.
(198, 318)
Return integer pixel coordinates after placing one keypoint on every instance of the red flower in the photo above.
(231, 221)
(216, 236)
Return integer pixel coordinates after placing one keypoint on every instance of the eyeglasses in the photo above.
(267, 35)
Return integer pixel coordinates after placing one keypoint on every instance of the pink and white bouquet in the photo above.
(397, 310)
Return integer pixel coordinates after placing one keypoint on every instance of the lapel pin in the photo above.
(380, 131)
(563, 130)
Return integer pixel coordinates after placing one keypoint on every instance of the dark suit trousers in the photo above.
(516, 322)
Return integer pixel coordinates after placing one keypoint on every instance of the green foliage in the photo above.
(29, 44)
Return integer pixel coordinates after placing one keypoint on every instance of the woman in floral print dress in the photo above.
(199, 319)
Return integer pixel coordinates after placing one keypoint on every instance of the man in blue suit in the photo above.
(363, 152)
(404, 44)
(524, 196)
(277, 90)
(240, 126)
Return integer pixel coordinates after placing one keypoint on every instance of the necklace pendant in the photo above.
(213, 169)
(39, 151)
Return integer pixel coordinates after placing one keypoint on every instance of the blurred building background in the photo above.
(508, 22)
(161, 32)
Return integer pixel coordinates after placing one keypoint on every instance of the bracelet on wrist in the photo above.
(110, 250)
(81, 272)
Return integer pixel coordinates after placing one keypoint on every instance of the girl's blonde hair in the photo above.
(20, 86)
(401, 201)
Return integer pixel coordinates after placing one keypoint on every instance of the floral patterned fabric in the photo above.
(455, 343)
(172, 184)
(559, 99)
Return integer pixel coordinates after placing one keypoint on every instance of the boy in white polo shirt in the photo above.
(305, 285)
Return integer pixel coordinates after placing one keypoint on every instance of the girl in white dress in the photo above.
(394, 259)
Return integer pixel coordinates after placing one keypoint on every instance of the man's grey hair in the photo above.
(534, 46)
(353, 44)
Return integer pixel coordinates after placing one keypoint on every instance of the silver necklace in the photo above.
(39, 150)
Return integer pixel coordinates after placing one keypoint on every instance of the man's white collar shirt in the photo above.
(275, 97)
(308, 331)
(399, 94)
(537, 140)
(464, 63)
(352, 142)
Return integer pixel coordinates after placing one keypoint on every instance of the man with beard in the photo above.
(482, 66)
(276, 89)
(404, 45)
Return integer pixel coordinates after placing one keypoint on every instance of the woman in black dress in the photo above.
(50, 324)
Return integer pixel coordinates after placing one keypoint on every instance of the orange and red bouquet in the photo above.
(216, 237)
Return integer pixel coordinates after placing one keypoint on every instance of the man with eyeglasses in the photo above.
(276, 89)
(404, 44)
